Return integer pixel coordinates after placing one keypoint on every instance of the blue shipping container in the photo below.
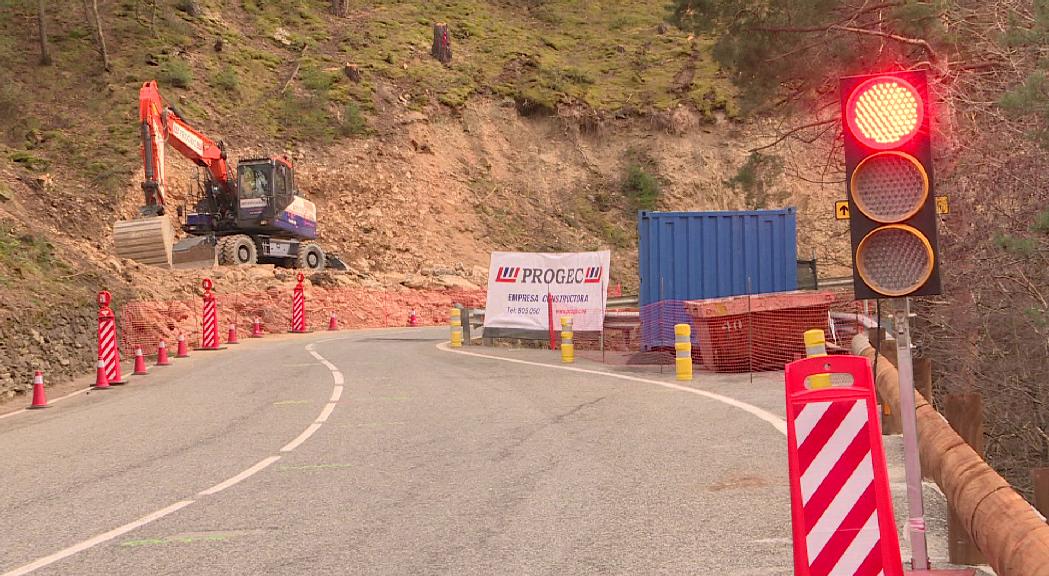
(696, 255)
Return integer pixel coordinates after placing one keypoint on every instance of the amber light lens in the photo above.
(894, 260)
(884, 112)
(889, 186)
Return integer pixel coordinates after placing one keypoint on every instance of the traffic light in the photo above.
(889, 177)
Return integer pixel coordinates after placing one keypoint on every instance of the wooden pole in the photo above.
(442, 44)
(1040, 481)
(923, 384)
(964, 412)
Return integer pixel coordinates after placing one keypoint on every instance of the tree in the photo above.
(95, 24)
(340, 7)
(45, 51)
(987, 67)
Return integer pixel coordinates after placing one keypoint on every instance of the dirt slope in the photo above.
(554, 124)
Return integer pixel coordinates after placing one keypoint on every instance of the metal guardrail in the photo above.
(476, 315)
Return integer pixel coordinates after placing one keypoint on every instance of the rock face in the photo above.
(61, 343)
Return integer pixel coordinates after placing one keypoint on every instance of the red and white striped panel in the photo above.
(209, 338)
(107, 348)
(837, 489)
(298, 311)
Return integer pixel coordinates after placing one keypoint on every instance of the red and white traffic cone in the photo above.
(413, 318)
(232, 338)
(101, 380)
(183, 348)
(162, 354)
(140, 363)
(256, 328)
(333, 323)
(39, 395)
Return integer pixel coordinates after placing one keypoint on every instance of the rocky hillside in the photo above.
(553, 124)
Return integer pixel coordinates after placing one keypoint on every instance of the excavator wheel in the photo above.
(237, 250)
(311, 257)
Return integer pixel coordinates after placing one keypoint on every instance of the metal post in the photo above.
(912, 464)
(467, 316)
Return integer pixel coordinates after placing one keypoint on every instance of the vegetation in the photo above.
(641, 187)
(758, 179)
(986, 64)
(25, 256)
(175, 73)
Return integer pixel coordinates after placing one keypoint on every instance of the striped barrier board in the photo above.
(209, 336)
(841, 507)
(108, 351)
(298, 307)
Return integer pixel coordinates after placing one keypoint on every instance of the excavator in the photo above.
(253, 213)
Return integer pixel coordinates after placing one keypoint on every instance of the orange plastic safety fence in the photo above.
(737, 334)
(146, 323)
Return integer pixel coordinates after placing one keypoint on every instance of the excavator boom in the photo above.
(149, 238)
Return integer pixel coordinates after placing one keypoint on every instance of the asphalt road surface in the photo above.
(378, 453)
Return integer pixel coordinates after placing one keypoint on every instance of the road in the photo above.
(375, 452)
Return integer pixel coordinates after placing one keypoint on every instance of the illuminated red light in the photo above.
(884, 112)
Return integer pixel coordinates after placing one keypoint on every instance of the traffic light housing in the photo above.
(889, 180)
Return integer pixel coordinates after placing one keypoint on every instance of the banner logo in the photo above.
(593, 275)
(507, 274)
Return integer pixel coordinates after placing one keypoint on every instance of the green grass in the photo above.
(606, 55)
(26, 256)
(175, 73)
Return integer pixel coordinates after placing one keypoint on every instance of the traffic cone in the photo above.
(39, 396)
(232, 339)
(413, 319)
(256, 328)
(333, 324)
(183, 348)
(140, 363)
(101, 380)
(162, 354)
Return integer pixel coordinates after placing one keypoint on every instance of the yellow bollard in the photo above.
(683, 351)
(457, 328)
(567, 344)
(816, 345)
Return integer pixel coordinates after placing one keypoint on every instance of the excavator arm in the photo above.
(162, 124)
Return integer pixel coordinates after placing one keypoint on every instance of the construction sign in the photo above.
(526, 288)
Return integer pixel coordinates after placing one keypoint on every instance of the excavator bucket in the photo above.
(146, 240)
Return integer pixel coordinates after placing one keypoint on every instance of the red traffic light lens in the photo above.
(884, 112)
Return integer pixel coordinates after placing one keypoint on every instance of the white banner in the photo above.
(518, 284)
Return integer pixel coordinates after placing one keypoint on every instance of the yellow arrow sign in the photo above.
(942, 205)
(841, 210)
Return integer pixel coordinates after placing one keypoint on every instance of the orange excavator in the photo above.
(241, 216)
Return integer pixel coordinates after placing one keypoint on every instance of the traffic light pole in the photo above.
(911, 461)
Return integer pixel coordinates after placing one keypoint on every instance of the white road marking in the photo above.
(326, 412)
(775, 421)
(49, 402)
(239, 477)
(258, 467)
(302, 437)
(91, 542)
